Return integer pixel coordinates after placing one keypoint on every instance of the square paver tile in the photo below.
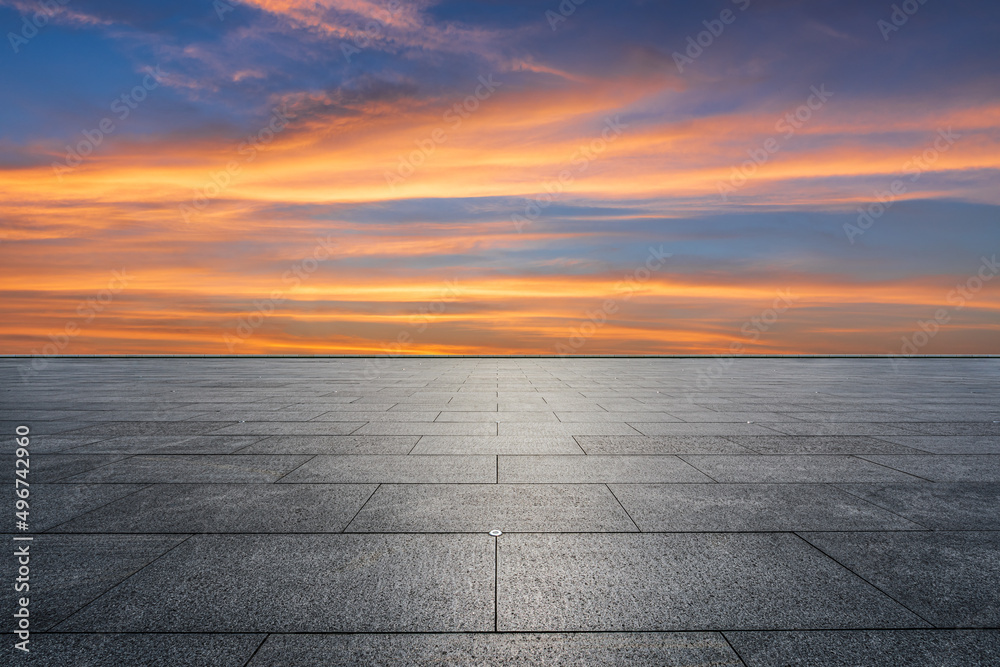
(522, 417)
(949, 579)
(943, 506)
(839, 428)
(484, 507)
(563, 445)
(628, 582)
(665, 444)
(945, 468)
(55, 444)
(596, 469)
(305, 583)
(292, 428)
(751, 507)
(187, 468)
(119, 428)
(228, 508)
(819, 444)
(49, 468)
(429, 428)
(397, 469)
(382, 416)
(792, 469)
(149, 650)
(983, 428)
(665, 649)
(168, 444)
(701, 428)
(948, 444)
(333, 444)
(69, 571)
(52, 504)
(869, 648)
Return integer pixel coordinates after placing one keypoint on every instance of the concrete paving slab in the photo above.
(228, 508)
(370, 406)
(596, 470)
(257, 415)
(68, 572)
(426, 650)
(571, 429)
(428, 428)
(584, 416)
(50, 468)
(430, 508)
(951, 579)
(40, 428)
(658, 445)
(396, 470)
(944, 506)
(292, 428)
(944, 468)
(869, 648)
(120, 428)
(819, 444)
(794, 469)
(839, 428)
(184, 468)
(701, 428)
(53, 504)
(333, 444)
(305, 583)
(751, 507)
(982, 428)
(384, 416)
(60, 444)
(149, 650)
(681, 582)
(562, 445)
(168, 444)
(948, 444)
(492, 417)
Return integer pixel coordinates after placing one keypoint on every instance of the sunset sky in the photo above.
(502, 176)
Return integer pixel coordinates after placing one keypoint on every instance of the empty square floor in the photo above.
(338, 511)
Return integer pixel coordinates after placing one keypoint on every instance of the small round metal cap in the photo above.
(496, 533)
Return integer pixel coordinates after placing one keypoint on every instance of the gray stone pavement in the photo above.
(654, 511)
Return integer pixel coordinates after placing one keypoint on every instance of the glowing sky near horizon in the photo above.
(360, 176)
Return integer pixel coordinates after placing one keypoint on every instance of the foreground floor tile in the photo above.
(433, 650)
(482, 507)
(871, 648)
(69, 571)
(183, 468)
(950, 579)
(596, 469)
(752, 507)
(169, 444)
(228, 508)
(148, 650)
(563, 445)
(305, 583)
(819, 444)
(791, 469)
(397, 470)
(666, 445)
(949, 444)
(681, 582)
(943, 506)
(54, 504)
(945, 468)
